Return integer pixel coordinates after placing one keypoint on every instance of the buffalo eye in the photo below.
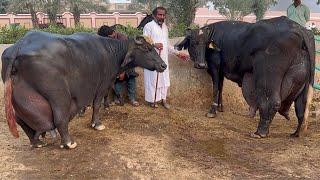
(144, 48)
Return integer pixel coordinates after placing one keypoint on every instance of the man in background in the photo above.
(299, 13)
(157, 84)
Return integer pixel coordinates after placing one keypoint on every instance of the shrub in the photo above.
(67, 31)
(179, 30)
(10, 34)
(129, 30)
(315, 31)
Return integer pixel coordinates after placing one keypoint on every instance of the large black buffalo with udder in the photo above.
(49, 78)
(273, 60)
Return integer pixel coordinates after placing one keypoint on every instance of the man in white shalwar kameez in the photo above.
(158, 32)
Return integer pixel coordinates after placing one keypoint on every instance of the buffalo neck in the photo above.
(118, 50)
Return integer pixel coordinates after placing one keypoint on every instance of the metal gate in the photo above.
(316, 84)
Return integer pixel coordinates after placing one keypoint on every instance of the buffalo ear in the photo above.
(212, 45)
(184, 44)
(206, 31)
(188, 32)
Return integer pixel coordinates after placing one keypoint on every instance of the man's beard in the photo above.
(160, 21)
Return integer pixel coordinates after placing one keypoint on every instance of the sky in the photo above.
(120, 1)
(283, 5)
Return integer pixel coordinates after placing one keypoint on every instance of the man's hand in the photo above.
(183, 56)
(159, 46)
(122, 76)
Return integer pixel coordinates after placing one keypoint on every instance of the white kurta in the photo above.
(158, 35)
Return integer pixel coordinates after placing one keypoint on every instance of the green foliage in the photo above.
(146, 5)
(10, 34)
(129, 31)
(182, 11)
(52, 8)
(67, 31)
(3, 6)
(233, 9)
(259, 7)
(180, 29)
(83, 6)
(315, 31)
(236, 10)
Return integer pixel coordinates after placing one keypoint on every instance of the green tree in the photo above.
(26, 6)
(259, 7)
(236, 10)
(146, 5)
(3, 6)
(233, 9)
(182, 11)
(83, 6)
(52, 8)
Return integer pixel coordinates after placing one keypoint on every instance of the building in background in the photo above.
(119, 5)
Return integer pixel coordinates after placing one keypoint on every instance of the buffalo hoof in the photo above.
(220, 109)
(286, 116)
(257, 135)
(53, 134)
(39, 144)
(211, 115)
(98, 127)
(295, 135)
(69, 145)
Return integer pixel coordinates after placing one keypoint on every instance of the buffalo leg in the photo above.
(301, 109)
(106, 103)
(96, 122)
(61, 103)
(221, 79)
(295, 89)
(32, 135)
(215, 83)
(268, 90)
(248, 92)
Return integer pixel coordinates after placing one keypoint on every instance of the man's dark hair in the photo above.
(155, 11)
(105, 31)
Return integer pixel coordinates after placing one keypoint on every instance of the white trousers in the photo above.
(161, 94)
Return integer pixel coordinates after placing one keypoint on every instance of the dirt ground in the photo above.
(143, 143)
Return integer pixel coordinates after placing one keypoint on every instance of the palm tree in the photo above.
(82, 6)
(27, 6)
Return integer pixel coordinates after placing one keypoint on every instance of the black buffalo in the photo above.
(49, 78)
(275, 57)
(144, 21)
